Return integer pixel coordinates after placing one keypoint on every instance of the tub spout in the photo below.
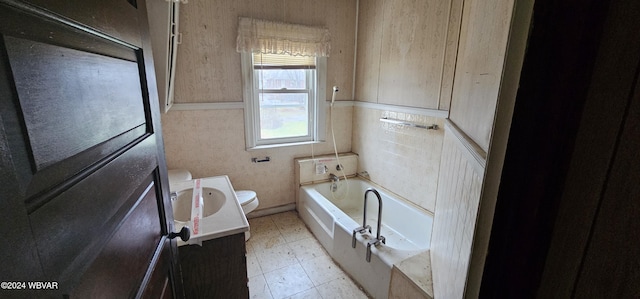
(333, 177)
(334, 182)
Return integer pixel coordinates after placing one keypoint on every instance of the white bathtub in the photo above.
(332, 219)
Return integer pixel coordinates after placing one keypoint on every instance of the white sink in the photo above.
(222, 214)
(212, 200)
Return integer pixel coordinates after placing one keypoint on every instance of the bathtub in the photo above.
(332, 216)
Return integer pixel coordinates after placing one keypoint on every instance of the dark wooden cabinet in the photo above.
(217, 269)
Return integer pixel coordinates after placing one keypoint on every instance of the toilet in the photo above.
(248, 199)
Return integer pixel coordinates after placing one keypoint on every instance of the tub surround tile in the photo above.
(306, 167)
(288, 281)
(410, 160)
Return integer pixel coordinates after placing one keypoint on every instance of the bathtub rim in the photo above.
(347, 223)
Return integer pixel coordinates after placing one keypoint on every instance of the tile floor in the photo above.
(284, 260)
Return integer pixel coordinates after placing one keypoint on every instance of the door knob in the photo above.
(184, 234)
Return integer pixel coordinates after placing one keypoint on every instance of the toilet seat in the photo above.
(245, 197)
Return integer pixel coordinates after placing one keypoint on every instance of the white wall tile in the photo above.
(402, 159)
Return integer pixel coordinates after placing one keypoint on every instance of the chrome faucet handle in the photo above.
(383, 240)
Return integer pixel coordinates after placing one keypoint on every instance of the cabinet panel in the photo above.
(217, 269)
(412, 54)
(368, 62)
(407, 51)
(483, 45)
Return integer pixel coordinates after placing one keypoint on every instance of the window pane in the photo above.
(281, 78)
(284, 115)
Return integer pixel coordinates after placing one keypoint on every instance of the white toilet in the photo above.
(247, 198)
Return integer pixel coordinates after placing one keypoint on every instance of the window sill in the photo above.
(279, 145)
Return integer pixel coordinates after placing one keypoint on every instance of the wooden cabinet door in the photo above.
(83, 183)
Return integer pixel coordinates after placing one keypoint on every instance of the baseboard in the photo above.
(271, 211)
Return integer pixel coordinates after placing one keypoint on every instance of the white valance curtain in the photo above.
(268, 37)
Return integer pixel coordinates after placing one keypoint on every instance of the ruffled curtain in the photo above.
(268, 37)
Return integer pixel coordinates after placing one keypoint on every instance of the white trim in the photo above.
(238, 105)
(251, 107)
(404, 109)
(339, 104)
(474, 153)
(208, 106)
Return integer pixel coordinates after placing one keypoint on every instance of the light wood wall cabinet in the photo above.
(406, 52)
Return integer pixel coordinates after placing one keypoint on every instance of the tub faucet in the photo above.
(334, 182)
(333, 177)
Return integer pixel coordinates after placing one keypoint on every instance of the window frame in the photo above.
(316, 106)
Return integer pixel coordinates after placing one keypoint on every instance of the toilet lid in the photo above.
(245, 196)
(179, 175)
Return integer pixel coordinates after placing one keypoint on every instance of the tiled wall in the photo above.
(212, 142)
(403, 159)
(454, 223)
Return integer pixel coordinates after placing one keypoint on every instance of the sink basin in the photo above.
(213, 199)
(221, 212)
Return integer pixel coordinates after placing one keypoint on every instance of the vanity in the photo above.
(213, 260)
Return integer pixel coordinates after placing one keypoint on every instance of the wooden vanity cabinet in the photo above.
(217, 269)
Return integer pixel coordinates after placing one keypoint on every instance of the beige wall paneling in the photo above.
(368, 51)
(459, 190)
(208, 67)
(412, 54)
(483, 40)
(450, 55)
(339, 17)
(406, 52)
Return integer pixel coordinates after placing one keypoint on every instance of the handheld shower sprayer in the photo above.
(333, 96)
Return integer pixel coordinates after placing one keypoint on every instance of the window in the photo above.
(284, 98)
